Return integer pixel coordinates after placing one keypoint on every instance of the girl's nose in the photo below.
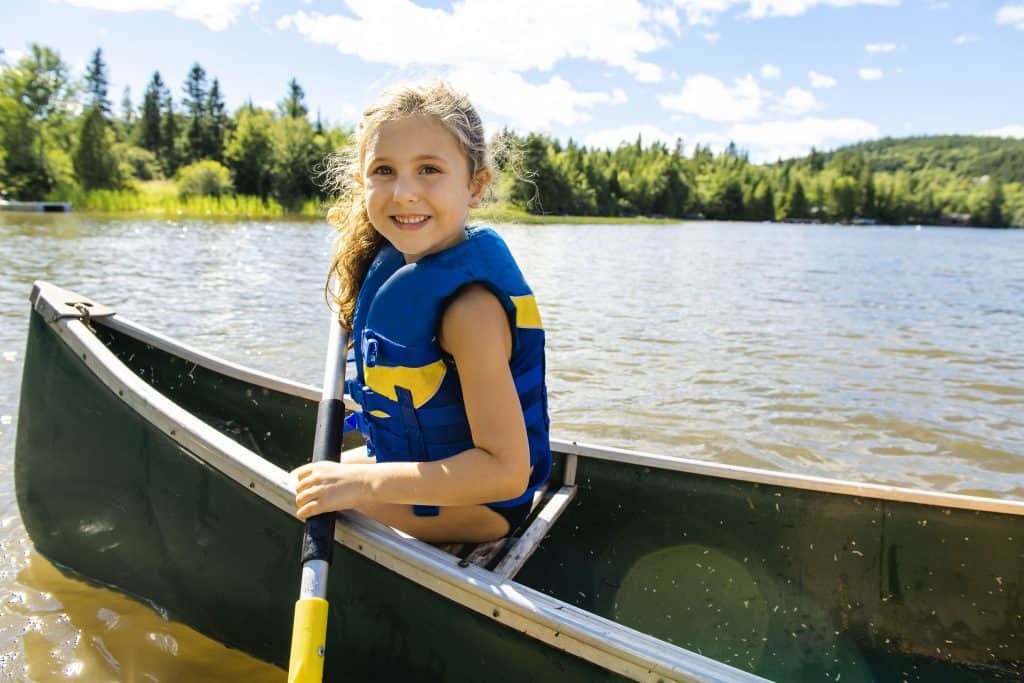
(405, 190)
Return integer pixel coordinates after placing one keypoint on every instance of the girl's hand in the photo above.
(329, 487)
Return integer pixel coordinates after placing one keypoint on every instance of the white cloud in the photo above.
(216, 15)
(770, 71)
(942, 4)
(1005, 132)
(707, 97)
(869, 74)
(506, 36)
(712, 37)
(783, 139)
(875, 48)
(797, 101)
(965, 38)
(1012, 14)
(706, 11)
(821, 80)
(526, 105)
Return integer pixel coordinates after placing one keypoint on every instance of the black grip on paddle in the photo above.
(318, 539)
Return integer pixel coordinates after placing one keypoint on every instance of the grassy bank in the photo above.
(511, 214)
(159, 198)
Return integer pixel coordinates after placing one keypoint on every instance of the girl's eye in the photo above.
(430, 169)
(382, 170)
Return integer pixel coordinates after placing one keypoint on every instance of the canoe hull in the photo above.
(101, 490)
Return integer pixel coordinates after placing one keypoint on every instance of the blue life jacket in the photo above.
(408, 386)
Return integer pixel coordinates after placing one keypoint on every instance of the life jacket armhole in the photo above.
(506, 303)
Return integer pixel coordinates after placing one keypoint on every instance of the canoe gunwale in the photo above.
(557, 624)
(119, 323)
(791, 480)
(583, 450)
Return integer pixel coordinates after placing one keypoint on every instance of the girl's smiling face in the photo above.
(418, 189)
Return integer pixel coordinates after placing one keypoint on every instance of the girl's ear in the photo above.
(478, 186)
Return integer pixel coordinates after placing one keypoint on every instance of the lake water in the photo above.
(883, 354)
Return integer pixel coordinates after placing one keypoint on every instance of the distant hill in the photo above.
(968, 156)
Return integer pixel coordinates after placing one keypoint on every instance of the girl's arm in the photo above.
(475, 331)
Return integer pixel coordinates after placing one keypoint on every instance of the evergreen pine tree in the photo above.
(94, 162)
(151, 135)
(168, 141)
(798, 206)
(194, 106)
(127, 114)
(127, 108)
(294, 105)
(96, 83)
(218, 120)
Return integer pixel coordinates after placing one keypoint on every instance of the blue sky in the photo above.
(775, 76)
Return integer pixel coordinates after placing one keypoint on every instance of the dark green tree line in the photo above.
(56, 131)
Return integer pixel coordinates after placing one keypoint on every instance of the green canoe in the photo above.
(147, 465)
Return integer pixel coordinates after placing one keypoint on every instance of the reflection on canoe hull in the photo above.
(659, 568)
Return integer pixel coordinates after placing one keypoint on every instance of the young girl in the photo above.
(448, 342)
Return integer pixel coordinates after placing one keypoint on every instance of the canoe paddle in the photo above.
(309, 628)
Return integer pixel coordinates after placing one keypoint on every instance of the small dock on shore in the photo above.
(35, 207)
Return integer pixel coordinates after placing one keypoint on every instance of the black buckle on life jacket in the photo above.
(371, 352)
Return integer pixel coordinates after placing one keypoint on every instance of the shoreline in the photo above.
(491, 215)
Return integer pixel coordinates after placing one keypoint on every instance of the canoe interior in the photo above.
(792, 584)
(105, 494)
(786, 583)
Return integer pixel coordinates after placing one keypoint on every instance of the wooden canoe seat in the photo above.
(506, 556)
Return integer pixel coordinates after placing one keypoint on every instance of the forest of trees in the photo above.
(59, 134)
(914, 180)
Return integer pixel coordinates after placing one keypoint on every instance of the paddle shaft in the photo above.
(309, 629)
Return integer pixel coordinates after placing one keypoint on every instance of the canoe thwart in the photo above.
(53, 303)
(523, 547)
(508, 554)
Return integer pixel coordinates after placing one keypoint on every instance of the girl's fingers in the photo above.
(308, 510)
(303, 471)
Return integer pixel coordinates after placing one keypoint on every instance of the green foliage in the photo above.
(53, 141)
(36, 98)
(217, 122)
(201, 140)
(204, 179)
(249, 152)
(151, 128)
(294, 105)
(297, 152)
(95, 165)
(162, 203)
(136, 162)
(96, 83)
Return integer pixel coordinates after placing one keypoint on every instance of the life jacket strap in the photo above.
(378, 349)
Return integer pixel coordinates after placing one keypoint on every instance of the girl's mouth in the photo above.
(410, 221)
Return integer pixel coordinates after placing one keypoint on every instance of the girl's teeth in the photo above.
(413, 219)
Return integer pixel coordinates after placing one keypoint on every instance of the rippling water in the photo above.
(890, 355)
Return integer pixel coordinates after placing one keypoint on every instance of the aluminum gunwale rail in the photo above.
(205, 360)
(603, 642)
(699, 467)
(789, 480)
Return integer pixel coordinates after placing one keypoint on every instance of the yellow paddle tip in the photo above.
(309, 640)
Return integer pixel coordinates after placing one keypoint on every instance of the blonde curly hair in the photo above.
(358, 242)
